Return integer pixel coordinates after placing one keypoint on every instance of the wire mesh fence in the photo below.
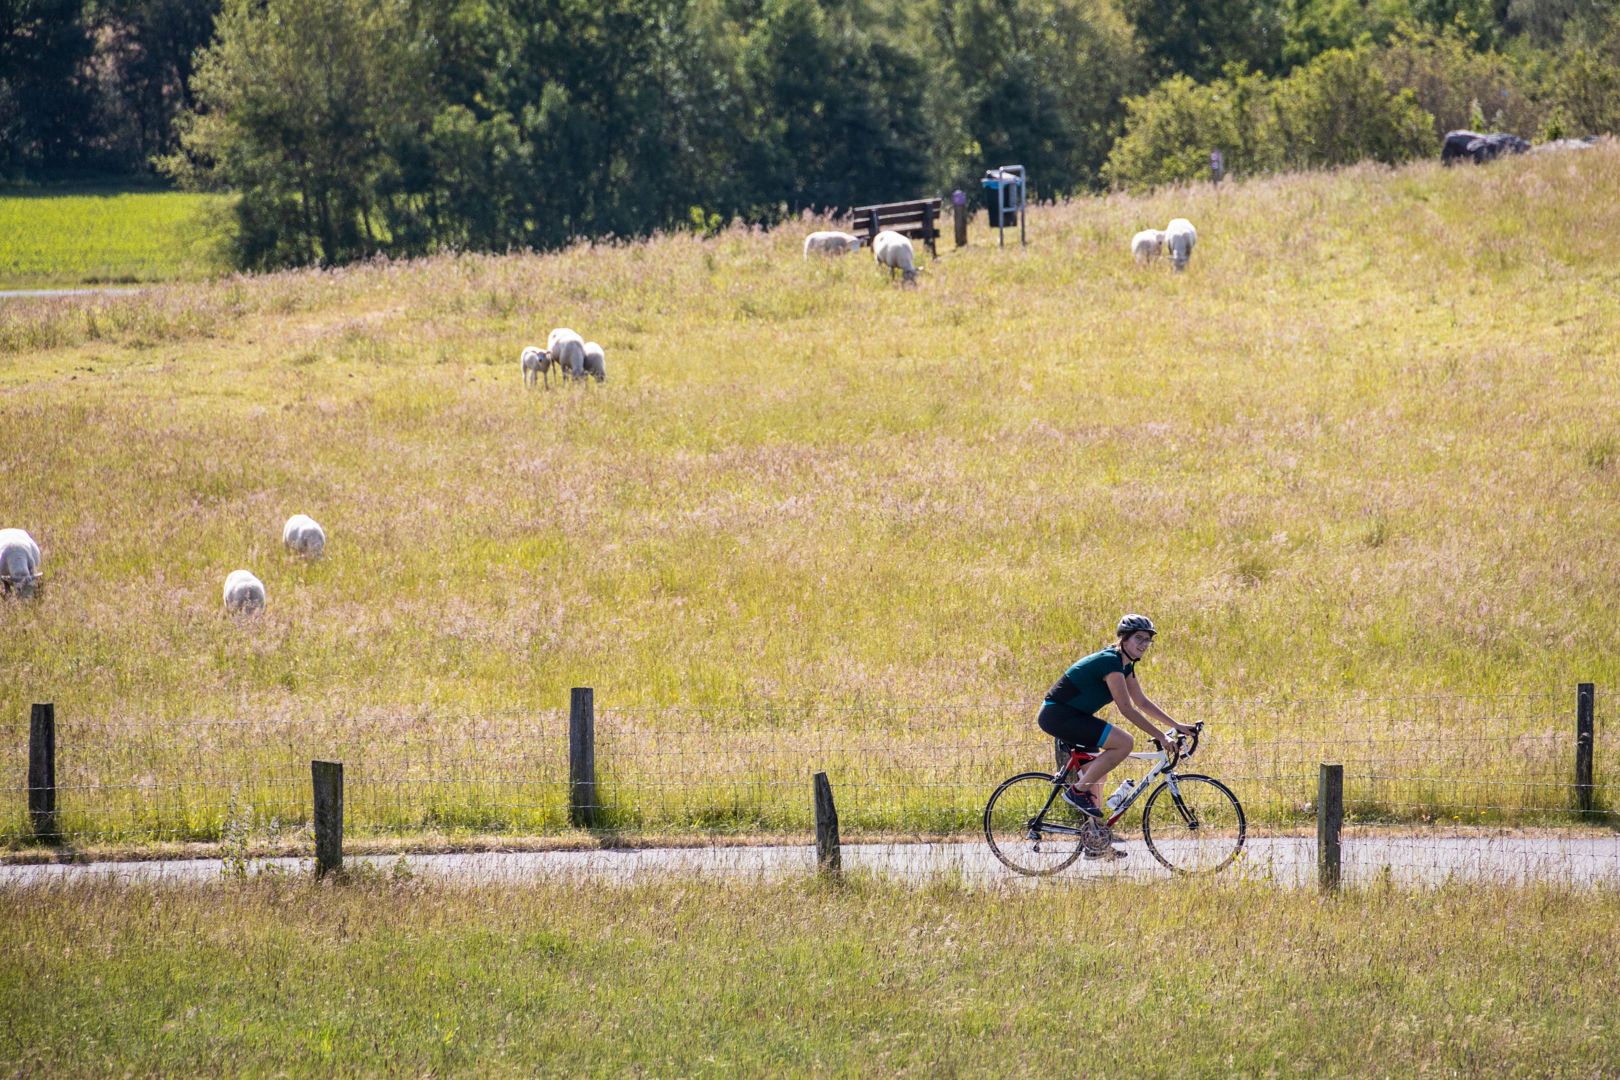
(1442, 774)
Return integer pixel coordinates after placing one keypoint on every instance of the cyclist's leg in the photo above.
(1116, 745)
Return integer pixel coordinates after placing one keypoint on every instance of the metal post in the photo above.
(828, 855)
(1329, 822)
(42, 772)
(1585, 736)
(582, 810)
(328, 778)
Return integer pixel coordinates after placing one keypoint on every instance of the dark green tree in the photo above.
(1038, 82)
(46, 95)
(1199, 38)
(301, 107)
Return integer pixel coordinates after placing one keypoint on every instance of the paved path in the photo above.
(18, 294)
(1287, 861)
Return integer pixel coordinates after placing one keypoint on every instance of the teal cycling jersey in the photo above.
(1084, 686)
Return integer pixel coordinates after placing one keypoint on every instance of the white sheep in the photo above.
(893, 250)
(1179, 237)
(831, 243)
(1147, 245)
(567, 351)
(536, 363)
(303, 536)
(19, 562)
(595, 361)
(244, 593)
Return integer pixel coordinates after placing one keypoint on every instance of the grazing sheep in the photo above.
(19, 562)
(567, 351)
(893, 250)
(1179, 237)
(595, 361)
(830, 243)
(302, 536)
(244, 593)
(536, 363)
(1146, 245)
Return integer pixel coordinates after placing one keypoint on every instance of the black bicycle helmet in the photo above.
(1130, 624)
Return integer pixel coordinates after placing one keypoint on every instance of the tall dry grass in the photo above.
(703, 978)
(1366, 446)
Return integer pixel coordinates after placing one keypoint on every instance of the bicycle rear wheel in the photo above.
(1193, 824)
(1017, 823)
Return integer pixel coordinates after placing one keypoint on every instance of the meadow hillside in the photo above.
(1366, 444)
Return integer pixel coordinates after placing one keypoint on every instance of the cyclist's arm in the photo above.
(1119, 687)
(1147, 707)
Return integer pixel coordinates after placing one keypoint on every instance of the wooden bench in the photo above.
(917, 219)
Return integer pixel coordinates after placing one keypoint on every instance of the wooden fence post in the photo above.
(42, 772)
(328, 777)
(829, 857)
(1329, 822)
(1585, 736)
(961, 223)
(582, 809)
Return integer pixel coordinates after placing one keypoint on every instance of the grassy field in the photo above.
(1365, 448)
(708, 979)
(49, 239)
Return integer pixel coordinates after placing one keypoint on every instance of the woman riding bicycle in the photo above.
(1090, 684)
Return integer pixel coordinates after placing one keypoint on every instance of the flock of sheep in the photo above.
(302, 536)
(574, 356)
(1179, 236)
(889, 248)
(244, 592)
(893, 250)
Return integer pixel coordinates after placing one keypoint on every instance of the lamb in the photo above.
(535, 362)
(19, 562)
(1179, 237)
(595, 361)
(303, 536)
(244, 593)
(567, 351)
(830, 243)
(1147, 245)
(893, 250)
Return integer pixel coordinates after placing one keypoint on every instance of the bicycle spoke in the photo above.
(1199, 829)
(1017, 826)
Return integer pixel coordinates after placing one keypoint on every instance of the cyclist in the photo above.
(1090, 684)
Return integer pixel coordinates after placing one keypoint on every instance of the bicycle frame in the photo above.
(1161, 770)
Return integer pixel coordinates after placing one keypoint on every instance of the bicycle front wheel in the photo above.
(1193, 824)
(1018, 823)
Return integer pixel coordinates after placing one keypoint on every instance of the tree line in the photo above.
(355, 127)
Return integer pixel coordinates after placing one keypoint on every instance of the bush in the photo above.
(1449, 78)
(1336, 110)
(1588, 87)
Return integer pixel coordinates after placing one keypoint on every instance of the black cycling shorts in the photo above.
(1073, 726)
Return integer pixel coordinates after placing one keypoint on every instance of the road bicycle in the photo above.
(1192, 823)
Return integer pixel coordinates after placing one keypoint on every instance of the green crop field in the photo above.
(701, 979)
(50, 240)
(1365, 448)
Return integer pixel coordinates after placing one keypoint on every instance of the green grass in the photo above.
(695, 979)
(50, 239)
(1362, 450)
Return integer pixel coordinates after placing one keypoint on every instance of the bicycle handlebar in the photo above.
(1181, 750)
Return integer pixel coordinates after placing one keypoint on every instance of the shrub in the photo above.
(1459, 85)
(1336, 110)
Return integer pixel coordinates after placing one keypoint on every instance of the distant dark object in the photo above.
(1479, 148)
